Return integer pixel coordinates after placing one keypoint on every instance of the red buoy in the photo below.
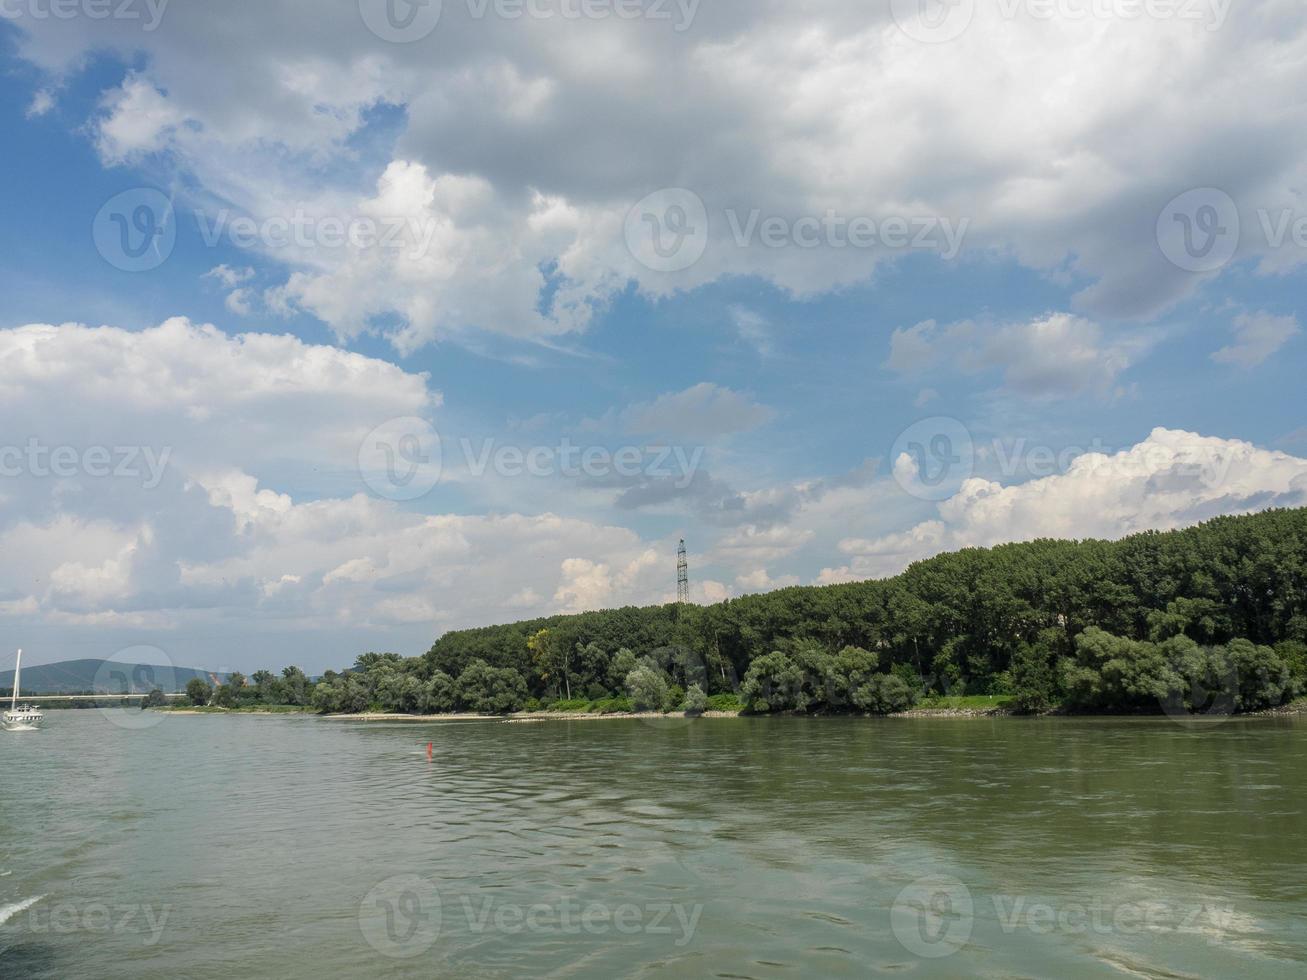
(429, 747)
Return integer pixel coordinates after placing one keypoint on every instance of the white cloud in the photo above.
(218, 541)
(228, 276)
(42, 102)
(139, 119)
(1055, 356)
(1256, 337)
(1171, 479)
(527, 142)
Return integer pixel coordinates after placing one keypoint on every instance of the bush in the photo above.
(155, 699)
(696, 702)
(574, 705)
(884, 694)
(725, 702)
(648, 688)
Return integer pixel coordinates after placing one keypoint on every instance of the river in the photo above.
(288, 847)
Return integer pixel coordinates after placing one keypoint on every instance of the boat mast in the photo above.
(18, 670)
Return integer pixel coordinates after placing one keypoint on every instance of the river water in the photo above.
(245, 846)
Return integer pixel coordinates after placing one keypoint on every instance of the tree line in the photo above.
(1208, 618)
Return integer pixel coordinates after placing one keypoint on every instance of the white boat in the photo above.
(25, 717)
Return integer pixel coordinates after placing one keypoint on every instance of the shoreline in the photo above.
(1293, 709)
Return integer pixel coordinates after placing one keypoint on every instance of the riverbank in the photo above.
(959, 708)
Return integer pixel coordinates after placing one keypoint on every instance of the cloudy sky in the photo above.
(327, 327)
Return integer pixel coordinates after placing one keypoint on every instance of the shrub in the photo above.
(648, 688)
(725, 702)
(696, 702)
(884, 694)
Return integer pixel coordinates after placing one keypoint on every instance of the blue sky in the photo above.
(803, 383)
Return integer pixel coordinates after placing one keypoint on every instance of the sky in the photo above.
(327, 328)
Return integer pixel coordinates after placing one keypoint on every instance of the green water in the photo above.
(299, 847)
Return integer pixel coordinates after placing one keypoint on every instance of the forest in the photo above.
(1210, 618)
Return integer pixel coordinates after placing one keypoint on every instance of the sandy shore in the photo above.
(526, 716)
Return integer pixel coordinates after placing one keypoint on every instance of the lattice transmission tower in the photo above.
(682, 574)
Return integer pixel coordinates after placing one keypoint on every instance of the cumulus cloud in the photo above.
(1256, 337)
(527, 142)
(218, 543)
(138, 119)
(1171, 479)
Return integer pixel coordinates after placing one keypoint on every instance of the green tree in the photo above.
(155, 699)
(773, 683)
(696, 702)
(198, 692)
(648, 688)
(439, 696)
(491, 690)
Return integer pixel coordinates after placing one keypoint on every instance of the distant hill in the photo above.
(102, 677)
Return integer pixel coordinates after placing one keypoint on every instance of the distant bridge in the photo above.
(33, 698)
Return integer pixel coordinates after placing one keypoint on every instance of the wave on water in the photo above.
(7, 912)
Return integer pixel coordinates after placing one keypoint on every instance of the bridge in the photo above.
(34, 698)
